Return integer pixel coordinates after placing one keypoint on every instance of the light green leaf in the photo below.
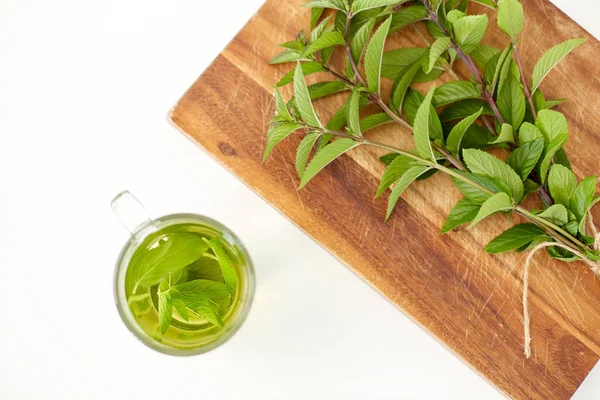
(165, 311)
(362, 5)
(302, 98)
(464, 108)
(323, 89)
(550, 59)
(455, 91)
(360, 39)
(308, 68)
(469, 31)
(557, 214)
(181, 309)
(352, 117)
(286, 56)
(506, 135)
(457, 133)
(277, 133)
(557, 143)
(315, 16)
(505, 72)
(553, 103)
(294, 45)
(437, 49)
(454, 16)
(494, 66)
(281, 107)
(405, 180)
(480, 162)
(402, 86)
(373, 121)
(514, 238)
(525, 157)
(496, 203)
(328, 39)
(229, 274)
(464, 211)
(562, 183)
(319, 29)
(198, 290)
(421, 128)
(395, 63)
(489, 3)
(529, 133)
(552, 124)
(335, 4)
(170, 253)
(510, 17)
(303, 151)
(511, 102)
(326, 156)
(373, 56)
(483, 54)
(209, 311)
(397, 168)
(583, 197)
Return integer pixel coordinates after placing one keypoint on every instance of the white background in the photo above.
(84, 90)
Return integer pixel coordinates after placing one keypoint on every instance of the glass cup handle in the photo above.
(132, 214)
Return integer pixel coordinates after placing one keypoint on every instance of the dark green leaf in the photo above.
(455, 91)
(525, 157)
(514, 238)
(463, 109)
(464, 211)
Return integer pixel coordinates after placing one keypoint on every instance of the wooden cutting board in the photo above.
(467, 299)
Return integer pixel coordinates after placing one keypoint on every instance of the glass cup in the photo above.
(187, 337)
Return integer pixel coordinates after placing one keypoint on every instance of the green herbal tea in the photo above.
(182, 284)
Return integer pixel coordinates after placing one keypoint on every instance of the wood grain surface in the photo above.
(467, 299)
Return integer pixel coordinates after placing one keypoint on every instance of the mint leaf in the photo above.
(407, 16)
(496, 203)
(550, 59)
(359, 40)
(511, 102)
(476, 195)
(168, 254)
(286, 56)
(352, 116)
(505, 136)
(529, 133)
(302, 98)
(373, 121)
(551, 148)
(463, 109)
(582, 197)
(438, 48)
(319, 29)
(328, 39)
(557, 214)
(374, 55)
(165, 311)
(456, 134)
(552, 124)
(208, 310)
(524, 159)
(200, 289)
(483, 54)
(181, 309)
(562, 183)
(281, 107)
(401, 87)
(421, 128)
(510, 17)
(308, 68)
(469, 31)
(326, 156)
(335, 4)
(464, 211)
(229, 274)
(396, 168)
(303, 151)
(323, 89)
(277, 133)
(514, 238)
(315, 16)
(405, 180)
(480, 162)
(362, 5)
(455, 91)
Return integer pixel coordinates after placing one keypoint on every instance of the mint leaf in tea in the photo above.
(182, 283)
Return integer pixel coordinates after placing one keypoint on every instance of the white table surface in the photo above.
(84, 90)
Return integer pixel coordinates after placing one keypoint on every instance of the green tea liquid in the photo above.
(183, 284)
